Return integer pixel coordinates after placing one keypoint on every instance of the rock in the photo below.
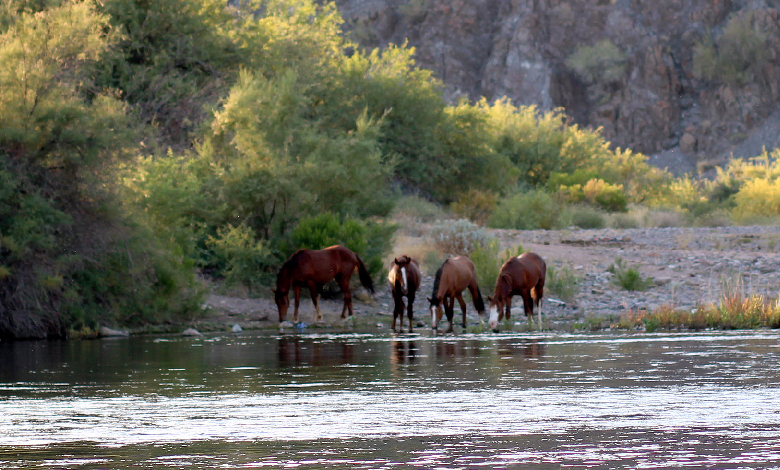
(688, 143)
(191, 332)
(286, 324)
(236, 328)
(106, 332)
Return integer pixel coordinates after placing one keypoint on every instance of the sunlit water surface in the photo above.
(379, 401)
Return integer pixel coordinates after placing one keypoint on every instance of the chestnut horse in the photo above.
(404, 278)
(312, 269)
(453, 277)
(524, 276)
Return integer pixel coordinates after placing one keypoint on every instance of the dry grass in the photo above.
(419, 248)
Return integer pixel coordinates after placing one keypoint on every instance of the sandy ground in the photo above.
(689, 266)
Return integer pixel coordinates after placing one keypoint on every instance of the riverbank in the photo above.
(688, 267)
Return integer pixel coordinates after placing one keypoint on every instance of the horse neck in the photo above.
(502, 288)
(284, 278)
(437, 282)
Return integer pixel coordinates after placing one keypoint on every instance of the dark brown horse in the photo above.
(404, 278)
(524, 276)
(453, 277)
(312, 269)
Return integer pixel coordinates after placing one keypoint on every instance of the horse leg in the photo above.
(539, 293)
(409, 311)
(297, 295)
(449, 309)
(398, 310)
(528, 306)
(508, 307)
(315, 301)
(462, 303)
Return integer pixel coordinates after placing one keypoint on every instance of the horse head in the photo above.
(497, 302)
(436, 311)
(400, 266)
(282, 302)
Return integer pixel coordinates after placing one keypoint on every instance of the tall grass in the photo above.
(628, 277)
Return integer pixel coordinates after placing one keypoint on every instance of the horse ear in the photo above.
(273, 290)
(489, 299)
(396, 261)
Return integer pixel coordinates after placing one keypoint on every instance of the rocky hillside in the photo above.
(682, 81)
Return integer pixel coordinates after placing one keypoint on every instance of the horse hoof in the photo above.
(496, 330)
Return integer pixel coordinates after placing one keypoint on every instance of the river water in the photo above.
(373, 400)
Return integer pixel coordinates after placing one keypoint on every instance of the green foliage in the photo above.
(488, 259)
(475, 205)
(587, 217)
(528, 211)
(603, 62)
(628, 277)
(458, 238)
(562, 282)
(736, 55)
(241, 258)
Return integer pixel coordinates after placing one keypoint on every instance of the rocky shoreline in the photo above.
(688, 266)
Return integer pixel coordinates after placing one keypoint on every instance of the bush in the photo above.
(458, 238)
(739, 53)
(475, 205)
(562, 282)
(609, 197)
(628, 277)
(587, 217)
(527, 211)
(600, 62)
(241, 258)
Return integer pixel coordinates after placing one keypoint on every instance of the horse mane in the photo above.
(436, 281)
(287, 266)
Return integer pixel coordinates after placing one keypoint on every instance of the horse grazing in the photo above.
(312, 269)
(404, 278)
(524, 276)
(453, 277)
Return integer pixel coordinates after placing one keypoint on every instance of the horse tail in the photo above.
(365, 278)
(479, 304)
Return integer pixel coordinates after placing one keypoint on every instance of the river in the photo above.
(377, 401)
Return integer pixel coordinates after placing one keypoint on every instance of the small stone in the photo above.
(236, 328)
(191, 332)
(286, 324)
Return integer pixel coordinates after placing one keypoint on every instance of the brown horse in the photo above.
(312, 269)
(524, 276)
(404, 278)
(453, 277)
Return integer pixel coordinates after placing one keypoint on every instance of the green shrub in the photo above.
(241, 258)
(601, 62)
(587, 217)
(562, 282)
(458, 238)
(628, 277)
(609, 197)
(527, 211)
(736, 55)
(475, 205)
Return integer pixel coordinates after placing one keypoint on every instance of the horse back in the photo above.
(458, 274)
(525, 271)
(322, 266)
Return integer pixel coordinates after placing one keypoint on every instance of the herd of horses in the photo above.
(522, 275)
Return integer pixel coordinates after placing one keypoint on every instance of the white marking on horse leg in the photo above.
(493, 321)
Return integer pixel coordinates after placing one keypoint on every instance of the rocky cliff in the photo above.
(684, 81)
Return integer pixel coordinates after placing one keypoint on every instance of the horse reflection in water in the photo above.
(402, 353)
(532, 349)
(453, 277)
(524, 276)
(404, 278)
(294, 351)
(314, 268)
(457, 349)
